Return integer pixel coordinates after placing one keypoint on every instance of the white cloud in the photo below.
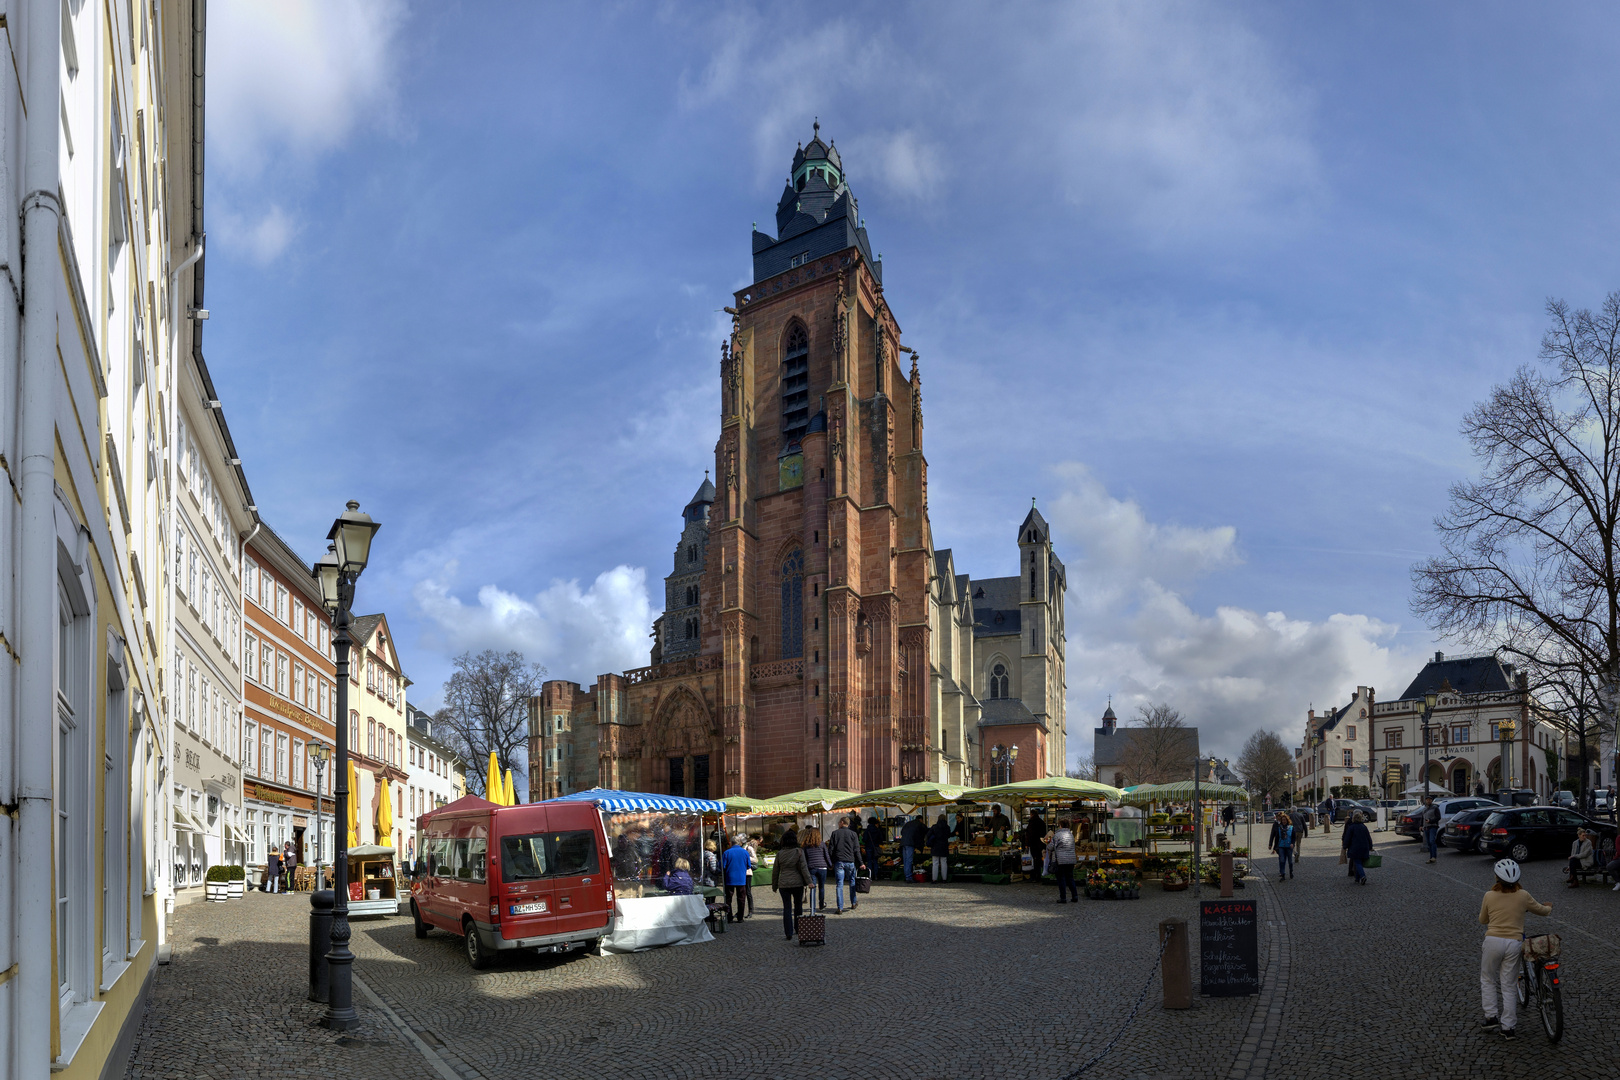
(1231, 671)
(263, 240)
(904, 162)
(576, 633)
(295, 75)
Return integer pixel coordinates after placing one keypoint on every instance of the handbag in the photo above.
(1344, 856)
(863, 883)
(1542, 946)
(1373, 862)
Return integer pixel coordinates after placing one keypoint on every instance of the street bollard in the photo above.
(1226, 873)
(320, 941)
(1175, 967)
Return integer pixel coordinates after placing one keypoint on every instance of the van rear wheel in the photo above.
(421, 927)
(478, 956)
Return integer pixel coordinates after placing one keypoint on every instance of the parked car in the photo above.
(1566, 799)
(534, 876)
(1602, 800)
(1529, 832)
(1462, 831)
(1519, 797)
(1411, 822)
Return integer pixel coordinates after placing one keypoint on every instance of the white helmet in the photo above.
(1507, 870)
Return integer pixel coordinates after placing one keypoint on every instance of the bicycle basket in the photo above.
(1542, 946)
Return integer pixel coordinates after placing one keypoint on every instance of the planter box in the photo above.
(218, 891)
(234, 889)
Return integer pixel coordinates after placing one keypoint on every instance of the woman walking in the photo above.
(1060, 845)
(872, 841)
(1282, 842)
(939, 846)
(753, 861)
(819, 862)
(1581, 856)
(792, 875)
(1502, 914)
(1357, 843)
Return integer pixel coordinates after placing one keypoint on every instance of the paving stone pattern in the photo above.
(956, 981)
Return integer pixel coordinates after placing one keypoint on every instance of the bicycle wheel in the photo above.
(1524, 987)
(1550, 1003)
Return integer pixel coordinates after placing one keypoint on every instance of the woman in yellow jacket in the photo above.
(1502, 914)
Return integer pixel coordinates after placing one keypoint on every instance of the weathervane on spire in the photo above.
(817, 127)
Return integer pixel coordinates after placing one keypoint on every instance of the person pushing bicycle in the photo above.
(1502, 914)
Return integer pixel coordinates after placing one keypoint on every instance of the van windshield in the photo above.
(523, 858)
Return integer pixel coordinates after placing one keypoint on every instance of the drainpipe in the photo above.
(36, 735)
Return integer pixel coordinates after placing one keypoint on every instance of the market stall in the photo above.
(907, 798)
(1174, 814)
(1084, 802)
(373, 881)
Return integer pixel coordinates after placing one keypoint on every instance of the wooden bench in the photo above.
(1605, 855)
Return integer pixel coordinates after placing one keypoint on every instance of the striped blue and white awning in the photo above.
(611, 801)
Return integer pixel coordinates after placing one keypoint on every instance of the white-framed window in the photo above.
(191, 696)
(281, 673)
(309, 691)
(298, 763)
(250, 734)
(267, 751)
(1349, 759)
(191, 568)
(250, 657)
(203, 600)
(281, 605)
(74, 934)
(180, 562)
(298, 618)
(250, 578)
(298, 684)
(281, 758)
(323, 692)
(207, 716)
(267, 663)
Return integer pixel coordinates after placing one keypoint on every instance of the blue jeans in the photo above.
(1357, 869)
(905, 860)
(1283, 857)
(818, 890)
(1431, 836)
(845, 872)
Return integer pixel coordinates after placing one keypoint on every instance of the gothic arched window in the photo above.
(795, 384)
(691, 553)
(793, 605)
(998, 681)
(691, 595)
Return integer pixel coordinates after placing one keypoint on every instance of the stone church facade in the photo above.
(812, 633)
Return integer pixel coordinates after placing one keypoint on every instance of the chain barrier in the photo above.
(1131, 1016)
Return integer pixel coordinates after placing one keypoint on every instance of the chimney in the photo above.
(1439, 656)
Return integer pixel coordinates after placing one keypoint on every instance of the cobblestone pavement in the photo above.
(961, 982)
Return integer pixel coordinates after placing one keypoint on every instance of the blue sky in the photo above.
(1215, 283)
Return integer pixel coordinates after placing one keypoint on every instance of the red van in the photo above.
(535, 876)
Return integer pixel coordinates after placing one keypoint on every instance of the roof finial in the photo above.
(705, 474)
(817, 127)
(1032, 502)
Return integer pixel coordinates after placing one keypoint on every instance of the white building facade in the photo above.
(1336, 752)
(431, 768)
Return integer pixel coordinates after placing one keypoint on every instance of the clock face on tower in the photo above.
(790, 472)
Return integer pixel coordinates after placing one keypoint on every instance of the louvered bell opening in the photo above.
(795, 394)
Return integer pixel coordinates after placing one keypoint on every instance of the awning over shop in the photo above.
(1182, 791)
(742, 804)
(185, 822)
(610, 801)
(1047, 788)
(811, 800)
(906, 795)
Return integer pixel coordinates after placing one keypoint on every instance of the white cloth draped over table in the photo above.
(650, 921)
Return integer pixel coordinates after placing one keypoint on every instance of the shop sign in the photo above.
(270, 795)
(1229, 948)
(193, 760)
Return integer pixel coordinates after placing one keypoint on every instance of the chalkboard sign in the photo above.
(1228, 948)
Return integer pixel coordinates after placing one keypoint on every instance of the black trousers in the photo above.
(1065, 876)
(792, 907)
(740, 893)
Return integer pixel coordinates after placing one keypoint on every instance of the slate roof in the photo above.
(1467, 675)
(1034, 520)
(361, 627)
(998, 711)
(818, 221)
(704, 494)
(999, 601)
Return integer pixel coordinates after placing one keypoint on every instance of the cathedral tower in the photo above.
(818, 597)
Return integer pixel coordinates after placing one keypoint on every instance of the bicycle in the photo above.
(1539, 981)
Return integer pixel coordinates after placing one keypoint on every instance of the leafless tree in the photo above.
(1084, 768)
(1528, 563)
(487, 708)
(1264, 764)
(1161, 748)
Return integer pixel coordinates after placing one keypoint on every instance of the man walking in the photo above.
(845, 848)
(1431, 826)
(911, 838)
(736, 867)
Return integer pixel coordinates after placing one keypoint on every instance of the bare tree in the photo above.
(487, 708)
(1528, 563)
(1084, 768)
(1160, 749)
(1264, 764)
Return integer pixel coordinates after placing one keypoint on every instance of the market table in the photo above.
(650, 921)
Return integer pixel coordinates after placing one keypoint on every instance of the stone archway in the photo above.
(682, 745)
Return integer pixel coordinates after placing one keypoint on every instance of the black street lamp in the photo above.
(337, 571)
(1430, 700)
(319, 755)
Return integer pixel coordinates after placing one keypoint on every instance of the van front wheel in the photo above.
(477, 955)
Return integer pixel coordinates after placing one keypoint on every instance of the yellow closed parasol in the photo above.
(507, 791)
(354, 807)
(493, 788)
(385, 815)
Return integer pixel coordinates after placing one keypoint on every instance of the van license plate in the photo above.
(531, 908)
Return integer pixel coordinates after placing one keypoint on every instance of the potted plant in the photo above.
(237, 883)
(218, 883)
